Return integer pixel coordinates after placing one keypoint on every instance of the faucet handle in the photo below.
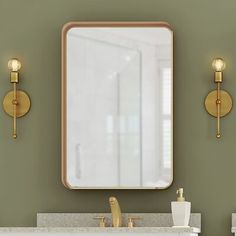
(131, 220)
(102, 222)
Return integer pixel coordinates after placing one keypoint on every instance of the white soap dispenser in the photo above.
(181, 210)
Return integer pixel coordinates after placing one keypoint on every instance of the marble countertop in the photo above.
(86, 220)
(100, 230)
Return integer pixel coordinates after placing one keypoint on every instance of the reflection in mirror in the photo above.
(118, 107)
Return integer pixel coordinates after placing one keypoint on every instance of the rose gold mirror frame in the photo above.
(65, 30)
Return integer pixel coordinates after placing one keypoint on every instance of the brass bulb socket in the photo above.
(14, 77)
(218, 77)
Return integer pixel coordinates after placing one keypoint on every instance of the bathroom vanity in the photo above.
(141, 231)
(83, 224)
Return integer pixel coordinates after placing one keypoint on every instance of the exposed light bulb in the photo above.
(218, 64)
(14, 64)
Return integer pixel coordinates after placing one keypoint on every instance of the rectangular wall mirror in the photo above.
(117, 105)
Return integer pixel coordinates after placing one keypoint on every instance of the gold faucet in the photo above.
(116, 212)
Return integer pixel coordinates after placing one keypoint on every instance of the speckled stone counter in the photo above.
(157, 220)
(98, 230)
(83, 224)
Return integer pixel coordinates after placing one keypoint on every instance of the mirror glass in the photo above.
(117, 106)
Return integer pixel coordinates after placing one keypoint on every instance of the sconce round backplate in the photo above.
(226, 103)
(23, 105)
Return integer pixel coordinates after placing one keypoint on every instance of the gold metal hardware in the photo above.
(16, 103)
(102, 222)
(116, 212)
(131, 220)
(14, 76)
(180, 195)
(218, 103)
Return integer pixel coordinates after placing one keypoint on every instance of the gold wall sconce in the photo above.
(16, 103)
(218, 103)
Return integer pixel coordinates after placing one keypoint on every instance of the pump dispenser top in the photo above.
(181, 210)
(180, 195)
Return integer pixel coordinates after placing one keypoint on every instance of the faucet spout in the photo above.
(116, 212)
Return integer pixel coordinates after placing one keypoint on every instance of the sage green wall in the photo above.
(30, 166)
